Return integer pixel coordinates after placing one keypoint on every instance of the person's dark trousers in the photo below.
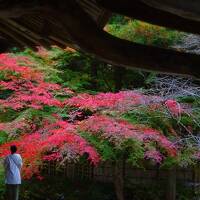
(12, 192)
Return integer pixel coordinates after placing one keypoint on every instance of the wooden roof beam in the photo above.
(120, 52)
(138, 10)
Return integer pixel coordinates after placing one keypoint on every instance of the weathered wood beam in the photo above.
(138, 10)
(18, 29)
(87, 36)
(46, 31)
(184, 8)
(14, 36)
(70, 21)
(17, 8)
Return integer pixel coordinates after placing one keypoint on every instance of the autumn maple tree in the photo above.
(53, 123)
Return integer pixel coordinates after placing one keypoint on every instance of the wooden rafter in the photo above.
(121, 52)
(68, 22)
(138, 10)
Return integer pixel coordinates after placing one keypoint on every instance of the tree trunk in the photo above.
(94, 66)
(118, 76)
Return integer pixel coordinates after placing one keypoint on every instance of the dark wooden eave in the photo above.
(80, 23)
(138, 10)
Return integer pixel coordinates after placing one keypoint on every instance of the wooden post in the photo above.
(119, 180)
(196, 179)
(171, 185)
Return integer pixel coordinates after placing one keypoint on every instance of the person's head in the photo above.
(13, 149)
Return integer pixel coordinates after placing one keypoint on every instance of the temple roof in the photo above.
(79, 23)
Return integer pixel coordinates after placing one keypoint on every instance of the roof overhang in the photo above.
(79, 23)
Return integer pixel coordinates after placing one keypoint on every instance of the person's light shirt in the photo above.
(13, 165)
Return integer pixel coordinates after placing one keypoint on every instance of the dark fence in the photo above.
(105, 172)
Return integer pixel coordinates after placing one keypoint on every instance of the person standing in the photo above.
(12, 166)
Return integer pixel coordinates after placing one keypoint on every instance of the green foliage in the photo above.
(31, 114)
(4, 94)
(3, 137)
(78, 68)
(154, 118)
(8, 116)
(104, 147)
(185, 159)
(4, 74)
(81, 72)
(134, 152)
(44, 63)
(77, 81)
(2, 185)
(143, 33)
(130, 149)
(169, 162)
(150, 79)
(189, 99)
(191, 121)
(118, 19)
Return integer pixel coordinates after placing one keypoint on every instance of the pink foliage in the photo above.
(10, 64)
(21, 125)
(121, 101)
(28, 86)
(154, 155)
(117, 131)
(57, 141)
(174, 107)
